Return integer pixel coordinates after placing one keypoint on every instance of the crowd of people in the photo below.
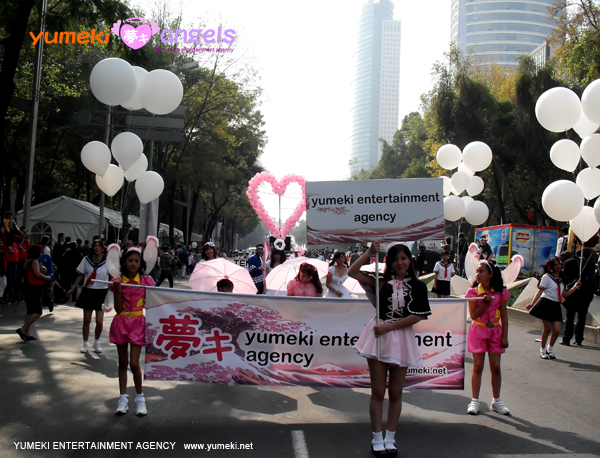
(42, 276)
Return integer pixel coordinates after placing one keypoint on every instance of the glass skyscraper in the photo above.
(376, 83)
(500, 31)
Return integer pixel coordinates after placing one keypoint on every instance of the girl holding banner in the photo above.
(403, 303)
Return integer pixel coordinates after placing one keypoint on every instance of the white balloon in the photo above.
(597, 210)
(558, 109)
(463, 168)
(454, 208)
(149, 186)
(460, 181)
(194, 245)
(590, 150)
(589, 182)
(161, 92)
(562, 200)
(113, 81)
(477, 156)
(95, 157)
(127, 148)
(140, 166)
(590, 101)
(467, 200)
(134, 103)
(584, 126)
(448, 156)
(565, 155)
(448, 189)
(477, 213)
(112, 180)
(475, 186)
(585, 225)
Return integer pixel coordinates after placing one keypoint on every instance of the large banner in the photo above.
(274, 340)
(374, 210)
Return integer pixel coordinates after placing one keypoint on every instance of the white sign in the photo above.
(374, 210)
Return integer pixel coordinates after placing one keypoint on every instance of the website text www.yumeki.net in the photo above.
(209, 447)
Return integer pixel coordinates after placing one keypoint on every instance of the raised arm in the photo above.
(354, 270)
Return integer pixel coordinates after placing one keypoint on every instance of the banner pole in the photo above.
(377, 298)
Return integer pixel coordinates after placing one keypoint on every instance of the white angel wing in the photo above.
(150, 253)
(471, 262)
(511, 273)
(113, 256)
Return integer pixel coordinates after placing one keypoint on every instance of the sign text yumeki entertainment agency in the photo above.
(369, 210)
(275, 340)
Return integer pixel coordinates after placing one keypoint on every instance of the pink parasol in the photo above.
(208, 273)
(281, 275)
(353, 286)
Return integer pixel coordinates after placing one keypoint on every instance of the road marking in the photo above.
(299, 443)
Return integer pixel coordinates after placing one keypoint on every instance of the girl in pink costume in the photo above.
(402, 303)
(128, 326)
(488, 332)
(306, 283)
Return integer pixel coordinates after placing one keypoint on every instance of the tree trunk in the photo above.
(11, 46)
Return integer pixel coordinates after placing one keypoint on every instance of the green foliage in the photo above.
(224, 134)
(578, 38)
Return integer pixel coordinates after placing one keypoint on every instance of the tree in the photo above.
(578, 38)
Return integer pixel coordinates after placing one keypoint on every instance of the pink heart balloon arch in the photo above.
(279, 188)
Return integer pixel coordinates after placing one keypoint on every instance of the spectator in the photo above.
(35, 279)
(164, 261)
(255, 266)
(562, 244)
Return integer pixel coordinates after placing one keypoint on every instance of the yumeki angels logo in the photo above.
(135, 37)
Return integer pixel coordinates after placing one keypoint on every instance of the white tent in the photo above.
(77, 219)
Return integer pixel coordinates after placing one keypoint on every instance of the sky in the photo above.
(303, 54)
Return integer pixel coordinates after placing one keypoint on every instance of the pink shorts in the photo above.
(125, 330)
(485, 340)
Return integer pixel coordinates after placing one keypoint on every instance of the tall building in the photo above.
(500, 32)
(376, 83)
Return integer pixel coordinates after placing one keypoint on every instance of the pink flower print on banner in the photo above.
(134, 37)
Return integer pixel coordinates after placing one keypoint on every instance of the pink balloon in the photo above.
(279, 188)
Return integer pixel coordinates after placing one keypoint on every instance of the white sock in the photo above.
(542, 350)
(496, 399)
(139, 397)
(123, 396)
(96, 341)
(389, 437)
(377, 442)
(549, 348)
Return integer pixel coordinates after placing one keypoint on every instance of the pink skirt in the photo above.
(398, 347)
(125, 330)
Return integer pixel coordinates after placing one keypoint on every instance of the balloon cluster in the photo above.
(114, 81)
(475, 157)
(279, 188)
(558, 110)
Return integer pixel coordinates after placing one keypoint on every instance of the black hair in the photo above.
(392, 254)
(34, 252)
(223, 284)
(337, 254)
(91, 248)
(282, 256)
(497, 283)
(126, 256)
(550, 264)
(314, 279)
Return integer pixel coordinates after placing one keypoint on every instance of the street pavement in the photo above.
(52, 394)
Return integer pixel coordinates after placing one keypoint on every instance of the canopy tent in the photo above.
(78, 219)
